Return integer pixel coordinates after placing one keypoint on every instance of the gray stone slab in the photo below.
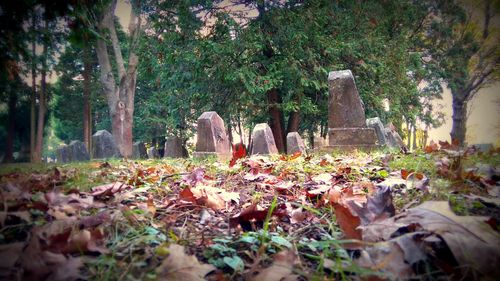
(174, 148)
(104, 146)
(295, 143)
(345, 108)
(139, 150)
(376, 124)
(211, 136)
(263, 140)
(153, 153)
(74, 152)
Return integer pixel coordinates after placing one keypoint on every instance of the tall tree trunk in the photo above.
(275, 115)
(87, 114)
(11, 131)
(41, 104)
(120, 97)
(33, 93)
(293, 122)
(459, 119)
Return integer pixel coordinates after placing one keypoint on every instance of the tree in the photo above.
(465, 47)
(120, 96)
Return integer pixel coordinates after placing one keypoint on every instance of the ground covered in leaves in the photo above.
(384, 215)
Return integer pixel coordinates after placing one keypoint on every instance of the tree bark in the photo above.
(87, 114)
(459, 119)
(120, 97)
(11, 131)
(293, 122)
(414, 137)
(41, 104)
(33, 92)
(275, 115)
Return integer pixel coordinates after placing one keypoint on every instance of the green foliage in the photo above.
(228, 64)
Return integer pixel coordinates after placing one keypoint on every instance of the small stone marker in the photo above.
(174, 148)
(376, 124)
(319, 142)
(104, 146)
(393, 138)
(346, 115)
(153, 153)
(139, 150)
(294, 143)
(263, 140)
(75, 151)
(211, 137)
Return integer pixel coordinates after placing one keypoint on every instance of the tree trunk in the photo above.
(87, 114)
(11, 131)
(414, 147)
(459, 119)
(41, 104)
(293, 122)
(275, 115)
(33, 105)
(120, 97)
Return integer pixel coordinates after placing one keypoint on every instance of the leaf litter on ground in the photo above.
(135, 223)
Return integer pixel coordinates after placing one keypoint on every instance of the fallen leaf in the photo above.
(280, 270)
(179, 266)
(474, 244)
(108, 189)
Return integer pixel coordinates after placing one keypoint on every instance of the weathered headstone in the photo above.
(174, 148)
(484, 147)
(346, 115)
(153, 153)
(139, 150)
(211, 137)
(263, 140)
(75, 151)
(104, 146)
(376, 124)
(294, 143)
(393, 138)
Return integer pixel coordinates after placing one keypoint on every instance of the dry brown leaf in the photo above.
(472, 241)
(280, 270)
(179, 266)
(10, 253)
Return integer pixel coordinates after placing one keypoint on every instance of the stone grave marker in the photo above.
(376, 124)
(211, 137)
(295, 143)
(104, 146)
(174, 148)
(346, 114)
(393, 138)
(75, 151)
(263, 140)
(153, 153)
(139, 151)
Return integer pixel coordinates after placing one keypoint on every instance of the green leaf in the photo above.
(281, 241)
(235, 262)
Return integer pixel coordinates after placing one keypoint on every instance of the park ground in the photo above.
(425, 215)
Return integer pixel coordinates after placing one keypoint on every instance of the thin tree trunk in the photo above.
(459, 119)
(11, 131)
(229, 130)
(41, 104)
(414, 147)
(275, 118)
(87, 114)
(293, 122)
(33, 94)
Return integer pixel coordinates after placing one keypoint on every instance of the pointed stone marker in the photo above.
(376, 124)
(104, 146)
(263, 140)
(294, 143)
(74, 152)
(153, 153)
(346, 114)
(212, 139)
(139, 151)
(174, 148)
